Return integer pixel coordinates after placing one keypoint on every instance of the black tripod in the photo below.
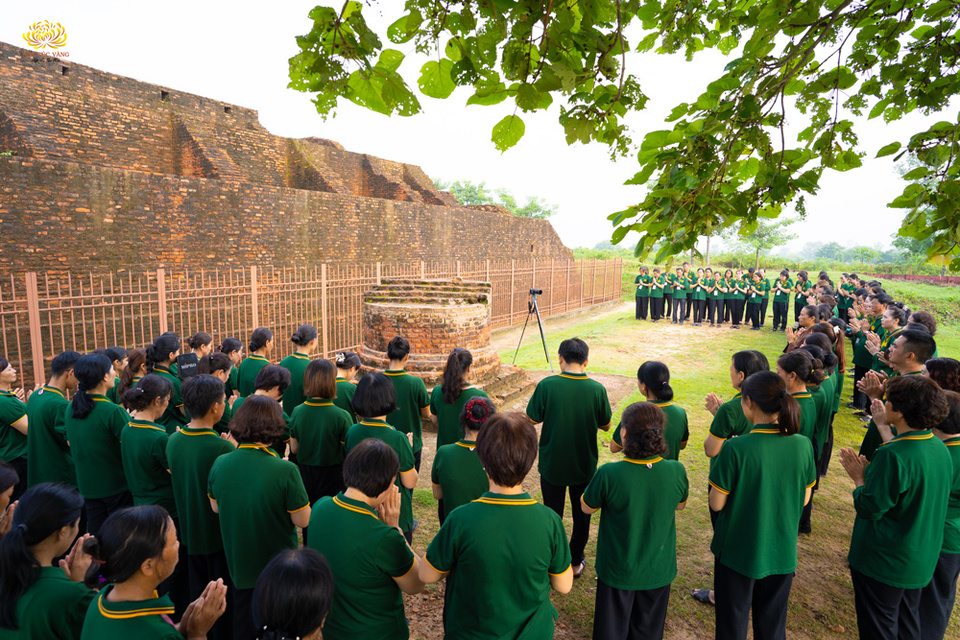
(532, 308)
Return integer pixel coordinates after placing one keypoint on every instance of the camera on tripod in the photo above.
(536, 292)
(534, 309)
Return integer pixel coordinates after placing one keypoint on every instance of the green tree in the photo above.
(468, 193)
(726, 159)
(831, 251)
(765, 236)
(863, 254)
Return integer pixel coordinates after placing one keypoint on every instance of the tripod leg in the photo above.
(522, 331)
(543, 338)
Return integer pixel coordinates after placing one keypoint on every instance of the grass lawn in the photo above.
(821, 602)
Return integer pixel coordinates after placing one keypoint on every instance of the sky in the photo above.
(237, 52)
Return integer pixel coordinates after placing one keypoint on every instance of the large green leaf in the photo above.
(507, 132)
(435, 79)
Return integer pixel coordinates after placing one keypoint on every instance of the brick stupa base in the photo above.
(437, 316)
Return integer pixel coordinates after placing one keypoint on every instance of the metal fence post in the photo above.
(162, 298)
(513, 291)
(33, 319)
(323, 304)
(488, 270)
(254, 302)
(379, 272)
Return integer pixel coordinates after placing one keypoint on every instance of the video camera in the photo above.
(536, 292)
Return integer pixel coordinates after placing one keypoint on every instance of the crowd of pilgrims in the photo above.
(142, 502)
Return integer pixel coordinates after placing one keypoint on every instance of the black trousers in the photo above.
(753, 314)
(554, 497)
(699, 310)
(621, 615)
(642, 304)
(779, 315)
(667, 304)
(797, 306)
(737, 312)
(885, 612)
(202, 569)
(99, 508)
(727, 311)
(736, 594)
(20, 466)
(763, 310)
(827, 451)
(656, 308)
(860, 400)
(712, 309)
(937, 598)
(690, 303)
(320, 482)
(243, 625)
(679, 309)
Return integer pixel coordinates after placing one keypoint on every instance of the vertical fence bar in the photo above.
(513, 290)
(379, 271)
(323, 307)
(488, 270)
(33, 324)
(603, 293)
(254, 302)
(162, 298)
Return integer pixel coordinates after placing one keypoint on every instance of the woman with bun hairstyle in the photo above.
(38, 598)
(233, 348)
(135, 552)
(457, 475)
(348, 365)
(220, 366)
(282, 613)
(305, 341)
(135, 370)
(728, 417)
(759, 485)
(448, 398)
(94, 426)
(260, 348)
(653, 381)
(161, 356)
(201, 344)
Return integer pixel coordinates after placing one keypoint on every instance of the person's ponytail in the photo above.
(656, 377)
(89, 371)
(788, 418)
(454, 374)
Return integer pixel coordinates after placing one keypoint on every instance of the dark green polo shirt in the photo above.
(398, 442)
(730, 284)
(779, 296)
(365, 556)
(500, 551)
(872, 438)
(801, 297)
(255, 492)
(344, 399)
(95, 444)
(766, 476)
(716, 282)
(823, 397)
(459, 473)
(175, 416)
(143, 445)
(278, 446)
(143, 619)
(951, 532)
(837, 388)
(901, 510)
(411, 397)
(53, 607)
(764, 287)
(679, 287)
(247, 376)
(233, 382)
(808, 414)
(293, 397)
(642, 283)
(729, 422)
(320, 428)
(695, 286)
(112, 395)
(13, 444)
(676, 430)
(191, 453)
(448, 415)
(638, 500)
(572, 407)
(657, 292)
(48, 452)
(862, 357)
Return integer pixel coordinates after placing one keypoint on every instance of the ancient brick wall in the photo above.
(99, 171)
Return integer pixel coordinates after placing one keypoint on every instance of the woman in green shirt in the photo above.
(220, 367)
(260, 347)
(642, 282)
(653, 381)
(457, 475)
(306, 341)
(801, 290)
(39, 599)
(281, 612)
(448, 398)
(657, 286)
(13, 425)
(135, 370)
(161, 355)
(698, 297)
(233, 348)
(136, 551)
(712, 285)
(759, 486)
(348, 365)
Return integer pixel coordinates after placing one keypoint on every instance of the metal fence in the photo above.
(44, 314)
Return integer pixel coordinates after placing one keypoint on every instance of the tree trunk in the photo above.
(757, 263)
(706, 258)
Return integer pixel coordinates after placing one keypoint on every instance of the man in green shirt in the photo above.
(358, 533)
(901, 502)
(572, 407)
(47, 448)
(413, 403)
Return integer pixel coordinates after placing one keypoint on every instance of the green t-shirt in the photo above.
(696, 288)
(500, 551)
(780, 296)
(716, 282)
(344, 399)
(676, 430)
(112, 394)
(48, 452)
(247, 376)
(951, 532)
(657, 283)
(730, 284)
(643, 286)
(142, 619)
(901, 511)
(572, 407)
(233, 382)
(764, 287)
(174, 417)
(411, 397)
(837, 388)
(823, 398)
(191, 453)
(862, 357)
(143, 445)
(679, 286)
(365, 556)
(95, 443)
(729, 422)
(754, 291)
(765, 476)
(448, 415)
(808, 414)
(293, 397)
(459, 473)
(256, 492)
(53, 607)
(278, 446)
(801, 295)
(398, 442)
(320, 428)
(13, 444)
(638, 500)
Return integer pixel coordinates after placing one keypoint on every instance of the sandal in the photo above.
(583, 567)
(702, 595)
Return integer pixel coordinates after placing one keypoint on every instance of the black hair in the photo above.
(861, 292)
(817, 356)
(150, 388)
(785, 272)
(643, 422)
(926, 319)
(882, 298)
(944, 371)
(128, 538)
(8, 476)
(769, 392)
(824, 351)
(137, 358)
(200, 393)
(951, 424)
(371, 466)
(116, 354)
(199, 339)
(63, 362)
(374, 396)
(921, 401)
(347, 360)
(825, 311)
(919, 343)
(259, 419)
(215, 361)
(813, 311)
(260, 337)
(656, 376)
(229, 345)
(802, 275)
(475, 412)
(304, 335)
(398, 348)
(271, 376)
(162, 349)
(749, 362)
(281, 612)
(798, 362)
(320, 379)
(574, 351)
(898, 312)
(454, 374)
(89, 371)
(42, 511)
